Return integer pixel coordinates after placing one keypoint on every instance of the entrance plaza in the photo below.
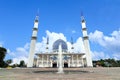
(51, 74)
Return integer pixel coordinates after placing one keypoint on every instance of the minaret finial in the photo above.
(81, 13)
(37, 12)
(37, 16)
(72, 43)
(82, 17)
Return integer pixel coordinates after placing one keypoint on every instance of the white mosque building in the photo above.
(50, 59)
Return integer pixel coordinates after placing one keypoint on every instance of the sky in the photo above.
(60, 19)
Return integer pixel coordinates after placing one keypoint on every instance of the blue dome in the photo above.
(57, 43)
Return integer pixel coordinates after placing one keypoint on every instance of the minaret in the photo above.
(33, 42)
(47, 44)
(86, 42)
(72, 44)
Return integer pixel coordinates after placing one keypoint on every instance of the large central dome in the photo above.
(57, 43)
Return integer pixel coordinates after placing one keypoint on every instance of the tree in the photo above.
(2, 56)
(107, 63)
(22, 63)
(15, 65)
(9, 61)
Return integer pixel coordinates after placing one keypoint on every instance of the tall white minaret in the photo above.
(33, 42)
(86, 43)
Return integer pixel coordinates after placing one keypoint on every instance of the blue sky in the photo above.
(60, 16)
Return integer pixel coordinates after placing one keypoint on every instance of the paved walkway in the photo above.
(50, 74)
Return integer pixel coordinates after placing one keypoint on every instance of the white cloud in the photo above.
(18, 59)
(21, 53)
(110, 43)
(78, 45)
(116, 56)
(73, 31)
(97, 37)
(10, 53)
(106, 41)
(99, 55)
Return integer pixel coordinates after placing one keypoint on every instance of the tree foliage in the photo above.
(9, 61)
(22, 64)
(107, 63)
(2, 56)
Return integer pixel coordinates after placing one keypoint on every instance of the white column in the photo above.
(77, 61)
(72, 60)
(47, 61)
(37, 62)
(42, 60)
(51, 63)
(68, 62)
(82, 62)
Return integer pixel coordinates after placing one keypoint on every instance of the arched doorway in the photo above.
(65, 65)
(54, 65)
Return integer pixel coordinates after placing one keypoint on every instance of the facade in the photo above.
(69, 59)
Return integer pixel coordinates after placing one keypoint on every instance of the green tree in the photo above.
(118, 63)
(101, 62)
(22, 63)
(15, 65)
(2, 56)
(9, 61)
(107, 63)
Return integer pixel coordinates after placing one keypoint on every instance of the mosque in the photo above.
(50, 59)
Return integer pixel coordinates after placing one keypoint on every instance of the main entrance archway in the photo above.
(54, 65)
(65, 65)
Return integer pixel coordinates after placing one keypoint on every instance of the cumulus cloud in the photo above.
(116, 56)
(21, 53)
(99, 55)
(110, 43)
(97, 37)
(78, 45)
(17, 60)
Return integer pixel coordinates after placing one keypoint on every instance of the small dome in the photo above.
(57, 43)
